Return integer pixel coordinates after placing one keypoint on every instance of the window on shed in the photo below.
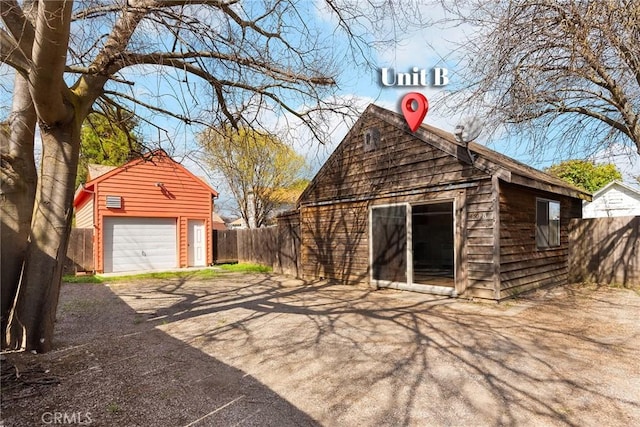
(371, 139)
(547, 223)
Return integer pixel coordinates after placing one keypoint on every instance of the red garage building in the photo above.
(149, 214)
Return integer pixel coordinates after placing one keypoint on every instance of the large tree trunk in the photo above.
(32, 320)
(17, 189)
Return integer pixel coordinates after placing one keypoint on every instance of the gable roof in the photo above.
(159, 153)
(215, 217)
(95, 170)
(609, 186)
(483, 158)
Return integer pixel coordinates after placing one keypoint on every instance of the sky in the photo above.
(414, 49)
(427, 49)
(424, 49)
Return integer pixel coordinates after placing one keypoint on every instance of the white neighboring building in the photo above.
(614, 199)
(238, 224)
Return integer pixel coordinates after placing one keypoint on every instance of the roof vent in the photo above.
(371, 139)
(114, 202)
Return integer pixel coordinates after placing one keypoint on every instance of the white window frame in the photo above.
(409, 252)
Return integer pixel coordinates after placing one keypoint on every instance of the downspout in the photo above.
(96, 230)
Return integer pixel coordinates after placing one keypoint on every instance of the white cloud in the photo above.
(625, 158)
(323, 12)
(329, 126)
(433, 44)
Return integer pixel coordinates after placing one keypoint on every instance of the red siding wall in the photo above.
(182, 196)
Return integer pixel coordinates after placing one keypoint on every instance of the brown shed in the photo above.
(420, 211)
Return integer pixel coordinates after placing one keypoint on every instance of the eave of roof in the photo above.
(494, 163)
(89, 186)
(613, 184)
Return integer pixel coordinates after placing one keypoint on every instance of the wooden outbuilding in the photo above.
(421, 211)
(149, 214)
(616, 199)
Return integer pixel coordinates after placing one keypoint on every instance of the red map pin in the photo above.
(414, 108)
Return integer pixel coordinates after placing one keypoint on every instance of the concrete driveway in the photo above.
(268, 350)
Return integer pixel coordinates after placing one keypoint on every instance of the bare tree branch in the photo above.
(155, 108)
(266, 68)
(537, 62)
(18, 25)
(11, 54)
(218, 62)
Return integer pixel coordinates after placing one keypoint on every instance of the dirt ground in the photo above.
(266, 350)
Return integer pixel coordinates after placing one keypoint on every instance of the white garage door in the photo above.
(132, 244)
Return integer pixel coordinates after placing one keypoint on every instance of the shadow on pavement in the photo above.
(114, 368)
(266, 350)
(349, 355)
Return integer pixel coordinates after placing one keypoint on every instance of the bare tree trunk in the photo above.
(32, 320)
(18, 188)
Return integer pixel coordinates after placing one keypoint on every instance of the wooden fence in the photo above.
(278, 247)
(80, 251)
(225, 246)
(605, 250)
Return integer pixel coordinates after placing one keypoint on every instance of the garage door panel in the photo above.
(139, 244)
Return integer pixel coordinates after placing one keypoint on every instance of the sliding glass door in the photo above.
(413, 244)
(432, 243)
(389, 243)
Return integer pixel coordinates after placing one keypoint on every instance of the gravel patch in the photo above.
(267, 350)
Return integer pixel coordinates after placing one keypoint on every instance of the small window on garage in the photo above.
(547, 223)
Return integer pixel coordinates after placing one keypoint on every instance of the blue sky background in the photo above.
(428, 48)
(423, 48)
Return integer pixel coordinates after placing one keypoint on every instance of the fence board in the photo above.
(605, 250)
(289, 243)
(277, 247)
(80, 251)
(225, 246)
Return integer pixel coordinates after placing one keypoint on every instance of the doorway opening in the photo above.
(432, 240)
(412, 247)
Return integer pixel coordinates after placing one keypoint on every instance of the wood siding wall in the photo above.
(496, 254)
(84, 214)
(402, 169)
(605, 250)
(181, 197)
(522, 265)
(335, 242)
(479, 241)
(401, 163)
